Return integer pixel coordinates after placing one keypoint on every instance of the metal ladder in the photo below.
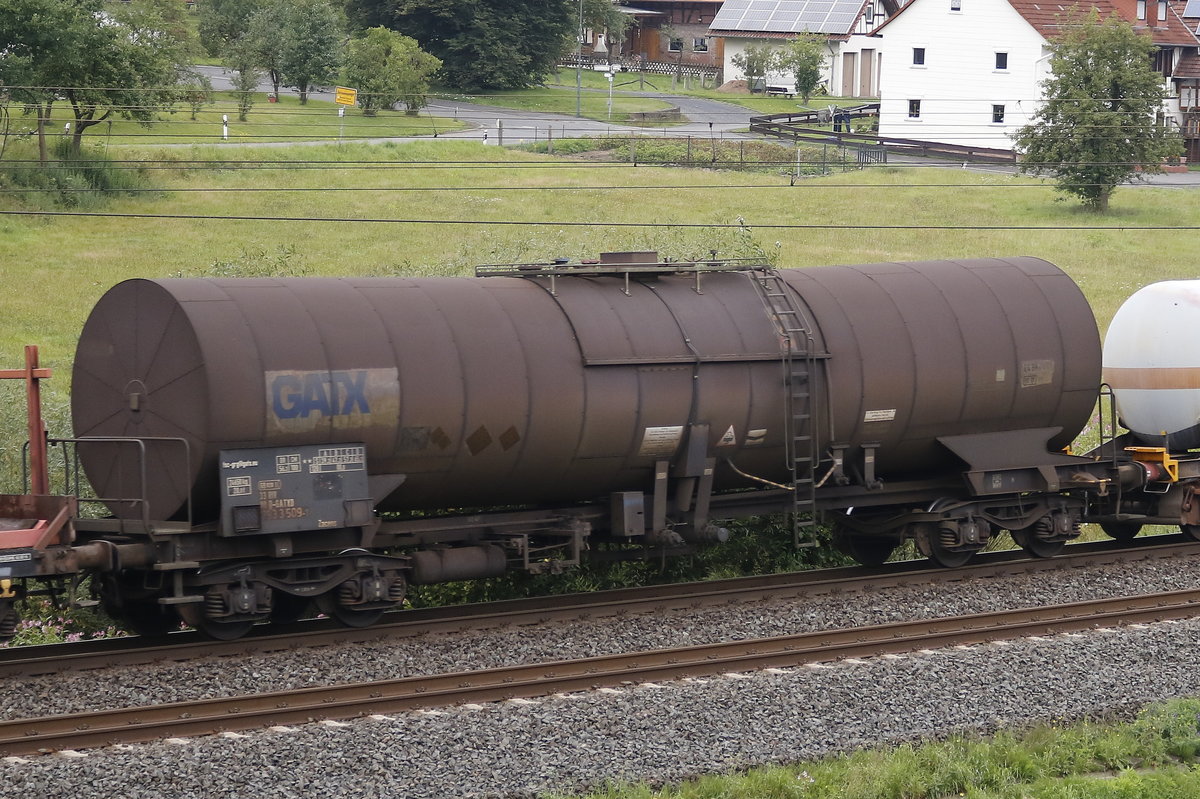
(799, 366)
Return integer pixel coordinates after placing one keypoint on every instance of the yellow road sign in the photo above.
(344, 96)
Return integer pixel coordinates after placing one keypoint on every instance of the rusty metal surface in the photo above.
(508, 391)
(541, 679)
(944, 348)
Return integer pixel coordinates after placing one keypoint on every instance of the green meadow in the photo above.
(282, 121)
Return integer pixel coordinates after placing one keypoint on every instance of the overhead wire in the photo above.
(739, 225)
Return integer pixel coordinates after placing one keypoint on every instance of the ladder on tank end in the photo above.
(799, 367)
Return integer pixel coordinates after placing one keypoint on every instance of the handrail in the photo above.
(140, 443)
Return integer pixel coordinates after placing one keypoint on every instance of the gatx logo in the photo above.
(300, 401)
(299, 395)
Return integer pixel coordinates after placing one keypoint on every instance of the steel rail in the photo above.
(109, 653)
(305, 705)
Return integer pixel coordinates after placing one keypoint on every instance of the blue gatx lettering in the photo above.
(298, 396)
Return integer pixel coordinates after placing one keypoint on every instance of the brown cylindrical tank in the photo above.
(504, 390)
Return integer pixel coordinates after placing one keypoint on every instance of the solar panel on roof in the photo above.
(1192, 9)
(789, 16)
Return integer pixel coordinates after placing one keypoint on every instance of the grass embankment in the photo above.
(282, 121)
(1152, 757)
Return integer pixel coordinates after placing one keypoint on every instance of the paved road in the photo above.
(706, 118)
(493, 123)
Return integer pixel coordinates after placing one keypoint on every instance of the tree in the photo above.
(103, 59)
(388, 68)
(222, 22)
(754, 62)
(241, 56)
(1098, 122)
(803, 57)
(311, 41)
(483, 44)
(605, 15)
(263, 42)
(197, 93)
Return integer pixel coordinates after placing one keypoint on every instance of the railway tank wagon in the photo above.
(1152, 380)
(247, 435)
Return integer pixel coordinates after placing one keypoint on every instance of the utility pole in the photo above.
(579, 65)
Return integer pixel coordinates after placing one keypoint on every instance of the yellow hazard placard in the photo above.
(344, 96)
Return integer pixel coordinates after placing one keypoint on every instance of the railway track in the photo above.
(129, 725)
(58, 658)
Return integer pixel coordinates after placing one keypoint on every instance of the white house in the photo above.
(852, 66)
(970, 71)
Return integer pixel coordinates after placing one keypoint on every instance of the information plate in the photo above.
(293, 489)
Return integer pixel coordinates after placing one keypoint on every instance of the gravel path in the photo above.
(664, 732)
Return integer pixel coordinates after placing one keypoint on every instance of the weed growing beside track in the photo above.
(1152, 756)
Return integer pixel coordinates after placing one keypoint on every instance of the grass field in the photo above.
(285, 120)
(442, 200)
(560, 89)
(592, 104)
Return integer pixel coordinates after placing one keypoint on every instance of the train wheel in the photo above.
(193, 616)
(930, 544)
(869, 550)
(1038, 547)
(287, 608)
(1192, 531)
(1122, 531)
(348, 615)
(224, 630)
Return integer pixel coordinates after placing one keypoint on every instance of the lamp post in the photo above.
(609, 75)
(579, 65)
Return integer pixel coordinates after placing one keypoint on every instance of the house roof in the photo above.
(772, 35)
(1047, 17)
(1188, 66)
(785, 18)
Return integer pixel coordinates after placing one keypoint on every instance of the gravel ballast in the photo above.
(665, 732)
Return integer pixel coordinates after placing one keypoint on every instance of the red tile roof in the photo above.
(1188, 67)
(1047, 17)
